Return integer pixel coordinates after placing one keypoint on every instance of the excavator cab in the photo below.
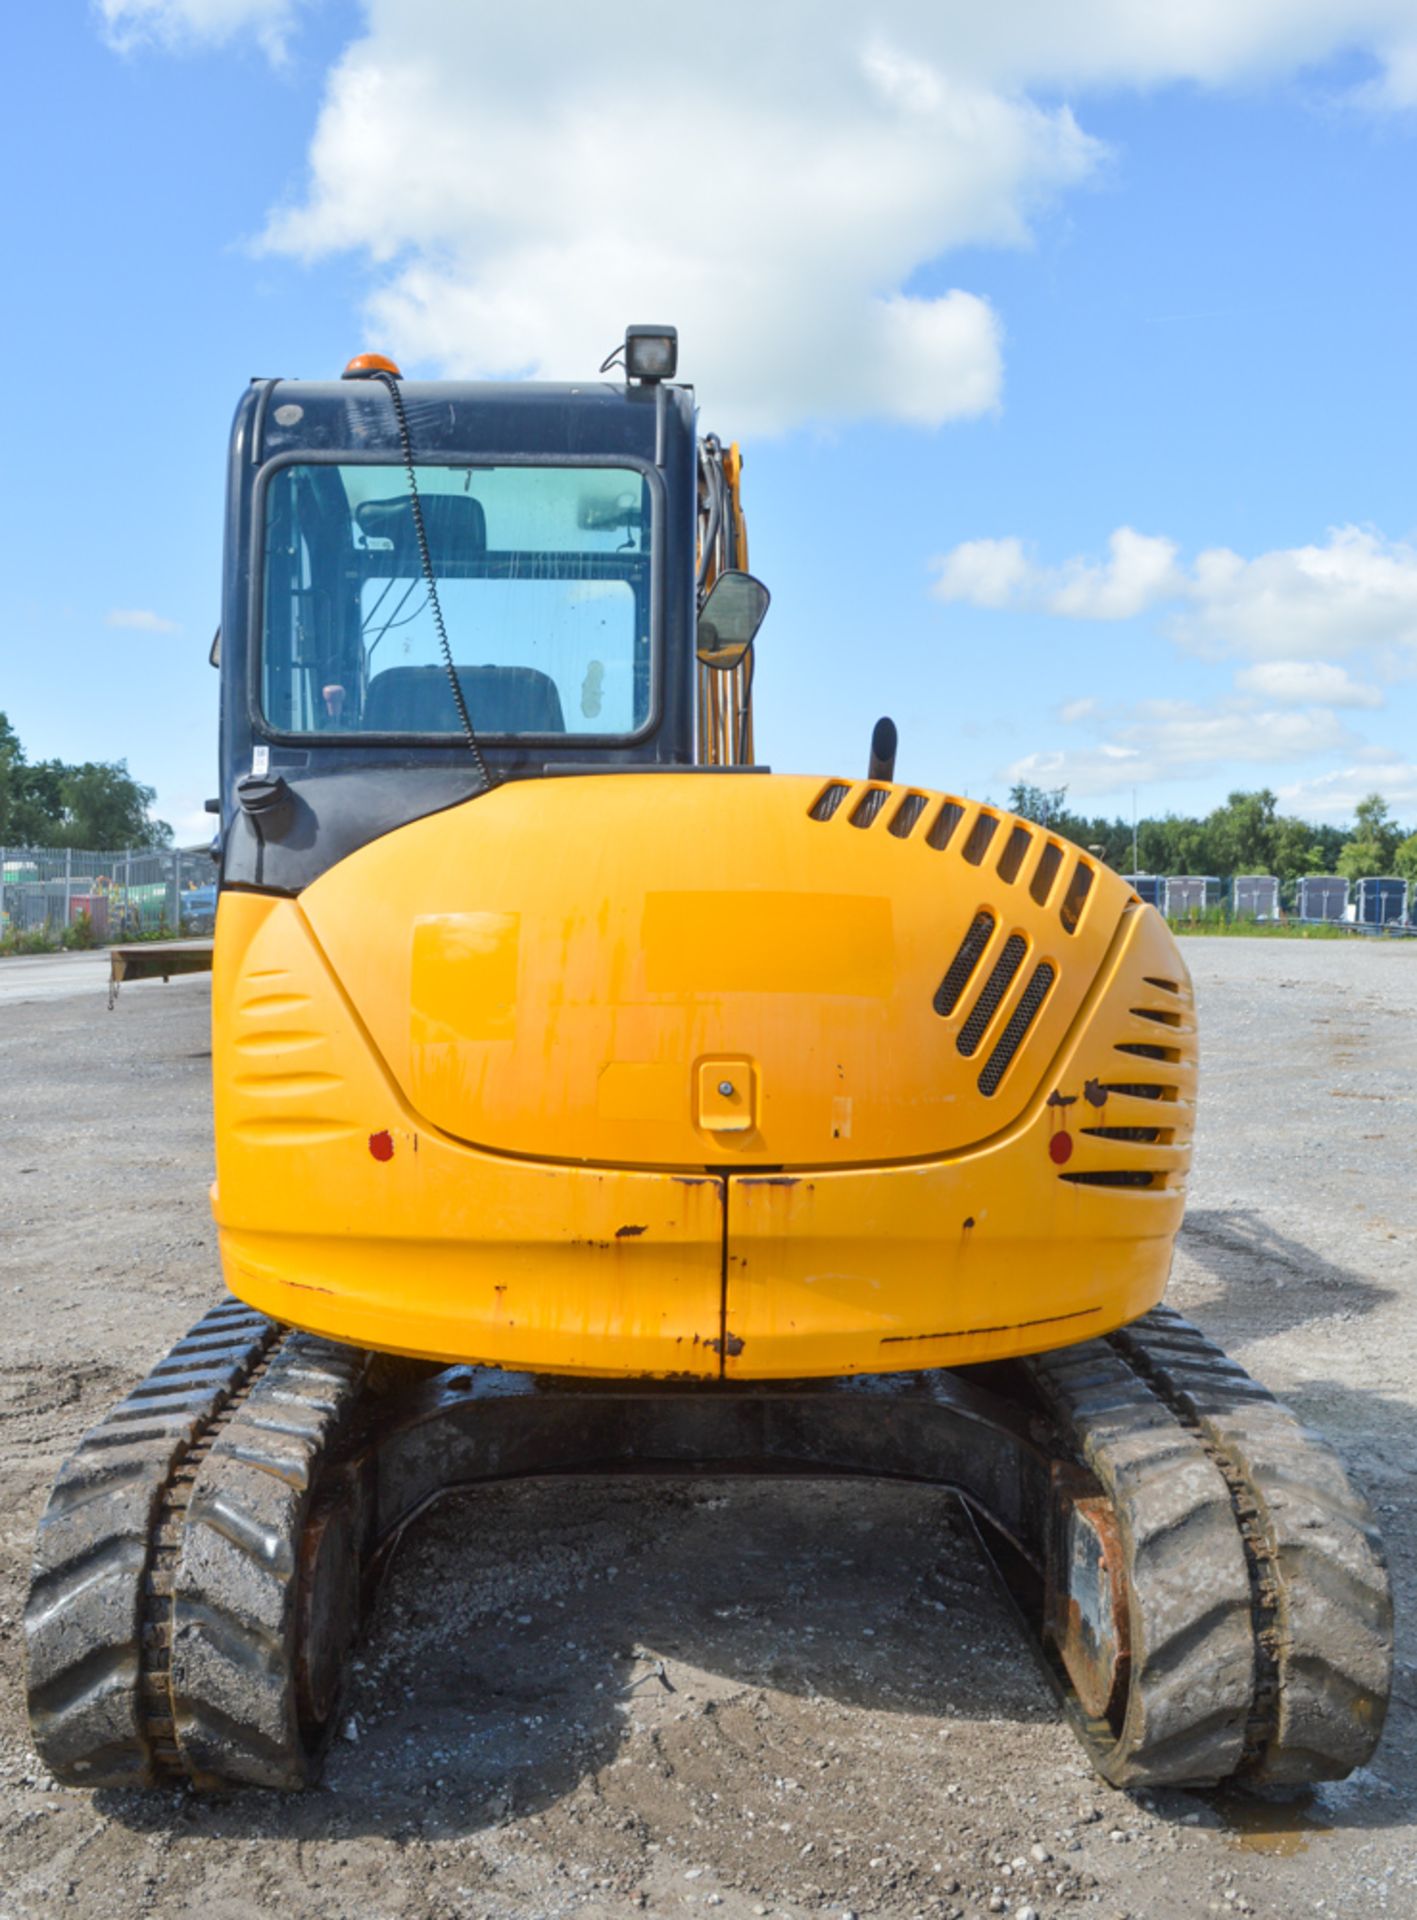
(812, 1122)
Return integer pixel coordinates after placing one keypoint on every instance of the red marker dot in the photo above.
(1060, 1148)
(381, 1145)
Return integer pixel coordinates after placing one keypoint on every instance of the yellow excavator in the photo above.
(590, 1099)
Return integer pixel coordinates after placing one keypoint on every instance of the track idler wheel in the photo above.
(1087, 1608)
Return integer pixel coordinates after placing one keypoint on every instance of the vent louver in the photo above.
(1011, 859)
(1153, 1138)
(971, 948)
(942, 827)
(992, 992)
(1020, 1020)
(1073, 900)
(1045, 873)
(980, 834)
(1113, 1177)
(907, 814)
(828, 800)
(869, 805)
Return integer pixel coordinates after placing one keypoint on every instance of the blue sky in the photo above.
(1074, 370)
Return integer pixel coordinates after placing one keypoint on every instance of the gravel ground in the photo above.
(784, 1699)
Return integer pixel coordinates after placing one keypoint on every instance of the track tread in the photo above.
(1193, 1658)
(1317, 1547)
(93, 1557)
(235, 1692)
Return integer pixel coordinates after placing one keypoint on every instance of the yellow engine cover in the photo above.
(730, 1073)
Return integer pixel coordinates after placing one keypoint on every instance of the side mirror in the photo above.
(729, 619)
(214, 657)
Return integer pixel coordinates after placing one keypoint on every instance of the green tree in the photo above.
(1174, 844)
(104, 806)
(1243, 835)
(97, 804)
(1404, 861)
(1374, 842)
(1041, 804)
(1298, 849)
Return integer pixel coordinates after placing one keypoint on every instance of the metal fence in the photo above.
(137, 891)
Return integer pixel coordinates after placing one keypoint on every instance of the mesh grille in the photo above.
(1015, 847)
(1020, 1020)
(980, 834)
(828, 800)
(1045, 873)
(994, 989)
(869, 805)
(942, 827)
(947, 996)
(1078, 889)
(906, 815)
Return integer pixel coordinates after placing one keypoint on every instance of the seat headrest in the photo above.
(499, 699)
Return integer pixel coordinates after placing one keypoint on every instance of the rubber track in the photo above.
(236, 1632)
(1322, 1601)
(93, 1565)
(1193, 1652)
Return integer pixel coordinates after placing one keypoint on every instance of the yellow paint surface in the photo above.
(473, 1121)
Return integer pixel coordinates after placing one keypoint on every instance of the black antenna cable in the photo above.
(425, 556)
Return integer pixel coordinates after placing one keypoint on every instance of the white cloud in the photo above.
(1286, 606)
(142, 620)
(1177, 739)
(191, 824)
(1334, 795)
(181, 24)
(1305, 682)
(524, 189)
(522, 185)
(523, 180)
(1139, 571)
(986, 573)
(1278, 612)
(1304, 602)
